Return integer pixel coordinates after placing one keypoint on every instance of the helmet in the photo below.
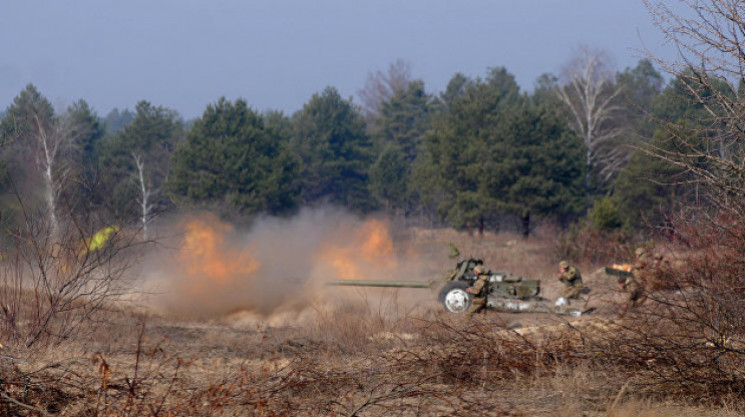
(478, 270)
(563, 264)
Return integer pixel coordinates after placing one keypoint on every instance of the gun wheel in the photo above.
(455, 298)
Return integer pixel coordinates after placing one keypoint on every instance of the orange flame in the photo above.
(207, 259)
(371, 248)
(376, 240)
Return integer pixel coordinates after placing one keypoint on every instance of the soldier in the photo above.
(479, 290)
(659, 275)
(637, 293)
(641, 267)
(572, 279)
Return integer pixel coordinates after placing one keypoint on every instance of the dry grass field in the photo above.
(323, 351)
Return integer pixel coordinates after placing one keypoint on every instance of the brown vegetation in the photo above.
(376, 354)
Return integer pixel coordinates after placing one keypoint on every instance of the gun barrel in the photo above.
(371, 283)
(617, 270)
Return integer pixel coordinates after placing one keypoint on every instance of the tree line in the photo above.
(480, 154)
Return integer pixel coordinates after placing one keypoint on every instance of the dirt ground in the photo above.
(348, 351)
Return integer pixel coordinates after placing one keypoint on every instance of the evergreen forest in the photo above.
(480, 155)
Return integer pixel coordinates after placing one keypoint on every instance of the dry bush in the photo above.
(52, 284)
(155, 382)
(53, 289)
(589, 244)
(638, 408)
(688, 339)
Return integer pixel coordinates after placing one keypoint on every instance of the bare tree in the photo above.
(589, 94)
(711, 68)
(51, 285)
(691, 335)
(381, 86)
(51, 140)
(145, 194)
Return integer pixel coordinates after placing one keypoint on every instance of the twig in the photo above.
(22, 405)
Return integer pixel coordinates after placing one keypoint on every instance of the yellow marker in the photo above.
(99, 240)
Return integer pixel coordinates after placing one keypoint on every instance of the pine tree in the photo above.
(150, 137)
(231, 156)
(335, 151)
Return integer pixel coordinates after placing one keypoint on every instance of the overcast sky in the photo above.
(185, 54)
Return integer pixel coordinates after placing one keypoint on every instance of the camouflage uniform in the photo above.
(642, 266)
(637, 293)
(572, 279)
(479, 290)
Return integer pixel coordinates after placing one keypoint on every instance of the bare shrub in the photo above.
(586, 243)
(689, 338)
(50, 286)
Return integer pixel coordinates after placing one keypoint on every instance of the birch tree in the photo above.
(145, 194)
(589, 94)
(34, 133)
(149, 139)
(380, 87)
(49, 142)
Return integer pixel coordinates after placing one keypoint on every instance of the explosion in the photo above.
(277, 265)
(208, 260)
(370, 251)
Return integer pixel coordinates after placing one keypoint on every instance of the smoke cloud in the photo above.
(276, 265)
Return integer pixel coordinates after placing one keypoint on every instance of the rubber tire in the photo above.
(454, 297)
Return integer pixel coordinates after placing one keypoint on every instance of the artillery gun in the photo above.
(505, 291)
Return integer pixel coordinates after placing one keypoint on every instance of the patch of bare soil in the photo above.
(350, 352)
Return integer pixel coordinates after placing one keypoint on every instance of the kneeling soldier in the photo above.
(572, 279)
(479, 290)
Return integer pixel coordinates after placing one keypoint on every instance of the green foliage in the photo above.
(459, 147)
(405, 118)
(151, 136)
(233, 155)
(478, 153)
(672, 122)
(677, 103)
(389, 177)
(604, 214)
(494, 152)
(87, 135)
(546, 163)
(335, 151)
(640, 88)
(87, 132)
(29, 112)
(117, 120)
(640, 85)
(650, 186)
(38, 139)
(400, 129)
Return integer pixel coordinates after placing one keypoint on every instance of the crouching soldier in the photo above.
(479, 289)
(572, 279)
(642, 266)
(637, 293)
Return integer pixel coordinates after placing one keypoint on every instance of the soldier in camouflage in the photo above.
(479, 290)
(642, 265)
(637, 293)
(636, 284)
(572, 279)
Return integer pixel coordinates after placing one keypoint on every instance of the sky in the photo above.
(275, 54)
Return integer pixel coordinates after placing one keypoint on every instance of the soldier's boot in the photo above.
(476, 308)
